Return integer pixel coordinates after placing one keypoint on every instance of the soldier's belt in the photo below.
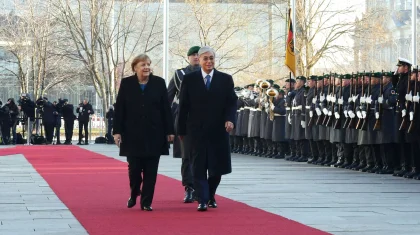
(252, 109)
(247, 108)
(307, 107)
(259, 109)
(238, 111)
(241, 109)
(297, 107)
(279, 115)
(287, 108)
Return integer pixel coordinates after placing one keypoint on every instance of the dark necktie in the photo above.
(208, 82)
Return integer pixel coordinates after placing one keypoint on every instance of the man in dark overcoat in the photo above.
(290, 84)
(173, 95)
(311, 133)
(206, 116)
(298, 121)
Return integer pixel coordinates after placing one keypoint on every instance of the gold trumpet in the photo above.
(264, 85)
(272, 93)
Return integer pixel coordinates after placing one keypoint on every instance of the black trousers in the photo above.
(302, 148)
(5, 131)
(186, 173)
(314, 153)
(177, 148)
(328, 149)
(68, 129)
(206, 189)
(57, 133)
(49, 131)
(149, 167)
(321, 149)
(388, 154)
(83, 125)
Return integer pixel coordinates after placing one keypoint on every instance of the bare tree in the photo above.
(106, 34)
(31, 41)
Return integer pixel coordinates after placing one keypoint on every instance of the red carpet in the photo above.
(95, 189)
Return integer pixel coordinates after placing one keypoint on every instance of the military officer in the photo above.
(173, 93)
(311, 130)
(298, 121)
(290, 89)
(279, 125)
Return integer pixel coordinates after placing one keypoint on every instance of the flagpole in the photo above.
(165, 39)
(294, 25)
(414, 32)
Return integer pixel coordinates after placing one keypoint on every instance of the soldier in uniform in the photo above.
(414, 118)
(248, 103)
(351, 133)
(252, 116)
(388, 130)
(404, 148)
(344, 148)
(268, 125)
(311, 130)
(279, 125)
(410, 136)
(324, 146)
(298, 121)
(290, 84)
(173, 93)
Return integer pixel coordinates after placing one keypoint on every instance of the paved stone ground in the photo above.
(338, 201)
(27, 203)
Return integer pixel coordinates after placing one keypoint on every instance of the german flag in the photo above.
(290, 61)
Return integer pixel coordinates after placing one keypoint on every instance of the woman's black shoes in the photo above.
(146, 208)
(131, 202)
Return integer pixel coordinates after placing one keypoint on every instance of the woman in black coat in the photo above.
(142, 128)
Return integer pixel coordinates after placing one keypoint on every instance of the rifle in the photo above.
(366, 120)
(403, 125)
(378, 123)
(360, 121)
(340, 106)
(412, 124)
(348, 119)
(329, 121)
(311, 120)
(321, 117)
(324, 122)
(353, 93)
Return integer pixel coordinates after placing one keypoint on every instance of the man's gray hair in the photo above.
(206, 49)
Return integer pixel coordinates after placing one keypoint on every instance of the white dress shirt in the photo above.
(205, 74)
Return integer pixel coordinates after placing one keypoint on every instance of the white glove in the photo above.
(303, 124)
(409, 97)
(318, 111)
(329, 113)
(251, 96)
(377, 115)
(337, 115)
(314, 100)
(381, 99)
(311, 113)
(325, 111)
(345, 114)
(355, 97)
(350, 99)
(369, 100)
(362, 100)
(340, 101)
(289, 119)
(322, 98)
(272, 106)
(351, 114)
(363, 114)
(403, 113)
(411, 116)
(359, 114)
(333, 99)
(266, 105)
(329, 98)
(416, 98)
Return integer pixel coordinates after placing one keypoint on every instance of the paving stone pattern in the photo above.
(338, 201)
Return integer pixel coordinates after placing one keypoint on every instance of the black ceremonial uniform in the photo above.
(289, 126)
(298, 122)
(279, 127)
(311, 132)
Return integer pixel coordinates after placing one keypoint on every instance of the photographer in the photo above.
(28, 108)
(14, 112)
(48, 118)
(110, 118)
(84, 110)
(5, 123)
(57, 113)
(69, 117)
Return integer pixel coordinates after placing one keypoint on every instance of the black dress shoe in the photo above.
(212, 204)
(131, 202)
(146, 208)
(188, 195)
(202, 207)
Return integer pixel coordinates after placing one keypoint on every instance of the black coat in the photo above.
(83, 111)
(68, 112)
(48, 116)
(279, 123)
(143, 118)
(202, 117)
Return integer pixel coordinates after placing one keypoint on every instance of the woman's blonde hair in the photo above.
(138, 59)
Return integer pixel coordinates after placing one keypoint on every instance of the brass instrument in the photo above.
(272, 93)
(264, 85)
